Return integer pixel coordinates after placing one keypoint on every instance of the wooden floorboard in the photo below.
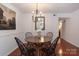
(67, 48)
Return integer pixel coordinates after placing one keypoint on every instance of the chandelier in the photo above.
(36, 13)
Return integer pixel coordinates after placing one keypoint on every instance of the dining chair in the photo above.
(28, 34)
(25, 51)
(49, 51)
(50, 35)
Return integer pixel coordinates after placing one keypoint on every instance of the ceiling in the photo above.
(47, 7)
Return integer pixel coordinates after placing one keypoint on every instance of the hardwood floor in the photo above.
(63, 48)
(66, 49)
(15, 53)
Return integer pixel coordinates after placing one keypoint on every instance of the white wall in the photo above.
(71, 32)
(51, 24)
(7, 42)
(24, 24)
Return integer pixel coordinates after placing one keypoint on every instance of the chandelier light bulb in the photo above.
(40, 12)
(32, 12)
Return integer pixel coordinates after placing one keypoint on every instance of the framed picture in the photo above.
(40, 23)
(7, 18)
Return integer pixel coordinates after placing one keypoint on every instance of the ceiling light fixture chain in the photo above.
(36, 13)
(36, 8)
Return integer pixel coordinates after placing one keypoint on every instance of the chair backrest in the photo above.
(28, 34)
(21, 46)
(50, 34)
(54, 43)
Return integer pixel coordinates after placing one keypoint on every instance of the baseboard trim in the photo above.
(12, 51)
(71, 43)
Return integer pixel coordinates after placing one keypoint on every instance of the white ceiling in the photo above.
(48, 7)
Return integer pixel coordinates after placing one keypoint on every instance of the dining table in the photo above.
(38, 42)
